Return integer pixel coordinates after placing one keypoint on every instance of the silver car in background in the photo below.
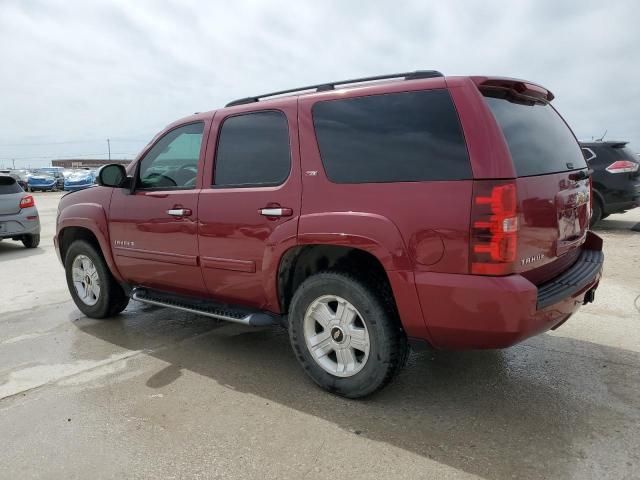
(19, 219)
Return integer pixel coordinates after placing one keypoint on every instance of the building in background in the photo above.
(85, 162)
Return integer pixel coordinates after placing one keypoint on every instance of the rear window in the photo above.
(606, 153)
(396, 137)
(8, 185)
(539, 141)
(627, 154)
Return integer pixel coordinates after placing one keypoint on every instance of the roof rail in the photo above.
(322, 87)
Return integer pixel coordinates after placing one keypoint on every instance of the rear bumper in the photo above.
(27, 222)
(475, 312)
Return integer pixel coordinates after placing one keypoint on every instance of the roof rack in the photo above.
(323, 87)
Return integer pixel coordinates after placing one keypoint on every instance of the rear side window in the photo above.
(253, 150)
(8, 185)
(396, 137)
(539, 141)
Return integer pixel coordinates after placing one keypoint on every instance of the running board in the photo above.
(208, 308)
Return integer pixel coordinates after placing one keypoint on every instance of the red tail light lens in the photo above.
(623, 166)
(27, 201)
(494, 228)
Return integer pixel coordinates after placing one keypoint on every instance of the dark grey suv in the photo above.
(19, 219)
(615, 178)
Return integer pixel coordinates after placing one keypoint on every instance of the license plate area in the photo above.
(573, 207)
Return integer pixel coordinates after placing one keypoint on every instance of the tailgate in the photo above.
(554, 219)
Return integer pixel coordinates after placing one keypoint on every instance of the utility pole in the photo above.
(13, 160)
(109, 148)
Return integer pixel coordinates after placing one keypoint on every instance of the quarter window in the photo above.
(396, 137)
(253, 150)
(172, 163)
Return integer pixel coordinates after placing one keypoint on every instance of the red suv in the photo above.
(365, 216)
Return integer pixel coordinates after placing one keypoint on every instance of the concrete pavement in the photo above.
(159, 393)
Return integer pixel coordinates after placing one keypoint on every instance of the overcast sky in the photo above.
(74, 73)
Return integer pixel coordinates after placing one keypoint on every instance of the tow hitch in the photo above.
(590, 296)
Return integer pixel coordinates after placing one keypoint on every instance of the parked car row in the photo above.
(52, 179)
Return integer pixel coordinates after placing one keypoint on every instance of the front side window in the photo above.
(395, 137)
(172, 163)
(253, 150)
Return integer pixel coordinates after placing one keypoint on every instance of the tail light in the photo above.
(623, 166)
(27, 201)
(494, 228)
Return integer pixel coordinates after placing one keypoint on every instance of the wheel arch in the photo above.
(86, 222)
(303, 261)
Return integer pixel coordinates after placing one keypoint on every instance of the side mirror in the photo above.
(113, 175)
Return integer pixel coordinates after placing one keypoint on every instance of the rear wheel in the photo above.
(93, 289)
(346, 335)
(596, 213)
(31, 241)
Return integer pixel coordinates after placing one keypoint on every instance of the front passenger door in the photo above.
(154, 229)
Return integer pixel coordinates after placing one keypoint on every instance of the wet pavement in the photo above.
(165, 394)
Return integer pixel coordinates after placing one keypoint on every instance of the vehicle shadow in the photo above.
(617, 224)
(10, 249)
(532, 411)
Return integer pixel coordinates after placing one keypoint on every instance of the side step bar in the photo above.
(207, 308)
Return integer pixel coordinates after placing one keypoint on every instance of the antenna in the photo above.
(603, 135)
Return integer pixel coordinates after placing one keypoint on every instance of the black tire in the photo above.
(603, 216)
(388, 349)
(596, 213)
(112, 299)
(31, 241)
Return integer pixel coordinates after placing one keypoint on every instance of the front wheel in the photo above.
(346, 334)
(93, 289)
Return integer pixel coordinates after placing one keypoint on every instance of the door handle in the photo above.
(179, 212)
(276, 212)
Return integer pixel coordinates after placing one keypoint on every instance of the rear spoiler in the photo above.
(518, 88)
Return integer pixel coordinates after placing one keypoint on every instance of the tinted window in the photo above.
(8, 185)
(397, 137)
(172, 163)
(539, 141)
(253, 150)
(626, 153)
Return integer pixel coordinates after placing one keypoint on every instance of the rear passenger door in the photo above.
(250, 202)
